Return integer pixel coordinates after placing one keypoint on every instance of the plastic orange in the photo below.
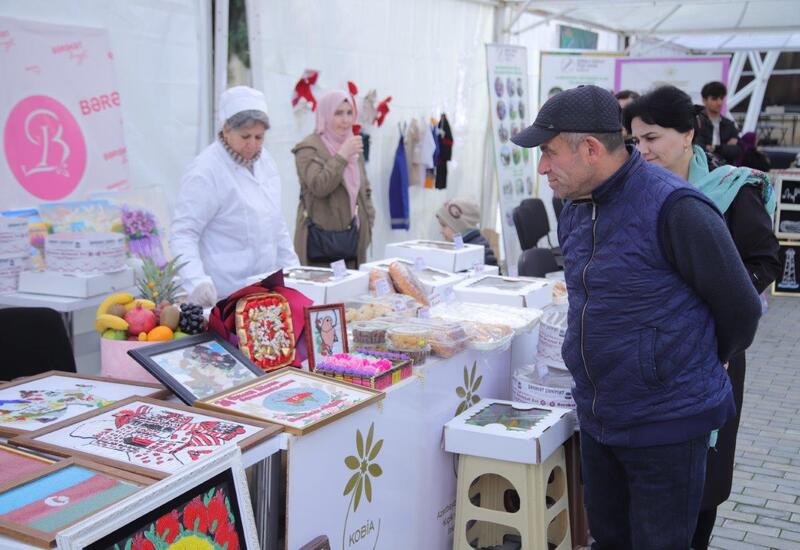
(160, 334)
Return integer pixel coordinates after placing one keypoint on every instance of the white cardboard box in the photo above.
(511, 291)
(77, 286)
(434, 280)
(438, 254)
(528, 445)
(318, 284)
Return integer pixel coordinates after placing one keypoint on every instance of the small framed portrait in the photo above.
(326, 332)
(197, 366)
(204, 506)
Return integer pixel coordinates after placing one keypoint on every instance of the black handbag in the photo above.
(323, 246)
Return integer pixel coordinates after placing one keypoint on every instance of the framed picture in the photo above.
(788, 282)
(149, 437)
(206, 506)
(787, 222)
(36, 507)
(299, 401)
(326, 332)
(34, 402)
(196, 366)
(16, 463)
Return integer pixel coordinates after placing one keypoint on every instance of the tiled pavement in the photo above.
(764, 508)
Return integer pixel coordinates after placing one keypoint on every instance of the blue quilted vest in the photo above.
(641, 345)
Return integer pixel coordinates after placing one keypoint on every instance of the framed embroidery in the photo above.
(37, 401)
(298, 400)
(205, 507)
(36, 507)
(196, 366)
(146, 436)
(326, 332)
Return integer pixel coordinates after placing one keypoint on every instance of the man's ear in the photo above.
(594, 149)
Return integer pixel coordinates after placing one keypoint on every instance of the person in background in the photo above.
(464, 216)
(650, 269)
(228, 223)
(624, 98)
(662, 125)
(751, 157)
(334, 189)
(721, 136)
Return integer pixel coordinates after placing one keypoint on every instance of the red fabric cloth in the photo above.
(223, 317)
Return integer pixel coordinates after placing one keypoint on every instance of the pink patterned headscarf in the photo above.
(327, 107)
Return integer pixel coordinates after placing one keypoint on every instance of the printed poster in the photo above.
(688, 73)
(60, 114)
(510, 113)
(559, 71)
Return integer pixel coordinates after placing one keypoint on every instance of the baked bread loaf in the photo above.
(407, 283)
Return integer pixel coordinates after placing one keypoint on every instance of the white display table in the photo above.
(413, 488)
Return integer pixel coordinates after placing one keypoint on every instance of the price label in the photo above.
(449, 295)
(458, 241)
(339, 269)
(399, 303)
(436, 299)
(477, 268)
(424, 313)
(382, 287)
(419, 264)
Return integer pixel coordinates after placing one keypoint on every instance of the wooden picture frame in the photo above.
(11, 424)
(161, 511)
(197, 366)
(160, 457)
(291, 386)
(53, 510)
(788, 282)
(326, 332)
(15, 463)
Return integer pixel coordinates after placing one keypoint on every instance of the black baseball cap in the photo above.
(585, 109)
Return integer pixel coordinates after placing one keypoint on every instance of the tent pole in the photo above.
(220, 77)
(762, 73)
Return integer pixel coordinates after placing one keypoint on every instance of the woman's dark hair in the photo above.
(625, 94)
(667, 106)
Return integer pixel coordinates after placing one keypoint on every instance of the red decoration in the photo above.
(383, 110)
(302, 90)
(168, 526)
(195, 516)
(264, 328)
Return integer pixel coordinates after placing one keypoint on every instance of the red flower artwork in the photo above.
(141, 543)
(226, 534)
(168, 526)
(195, 516)
(217, 511)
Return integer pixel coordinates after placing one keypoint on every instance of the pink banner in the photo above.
(60, 114)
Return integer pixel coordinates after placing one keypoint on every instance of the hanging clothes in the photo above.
(430, 172)
(398, 189)
(412, 140)
(445, 151)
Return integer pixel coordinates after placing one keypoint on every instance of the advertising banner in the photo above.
(687, 73)
(60, 114)
(509, 108)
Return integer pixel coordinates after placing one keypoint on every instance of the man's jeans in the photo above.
(644, 498)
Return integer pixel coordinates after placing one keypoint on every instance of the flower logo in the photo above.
(469, 393)
(364, 467)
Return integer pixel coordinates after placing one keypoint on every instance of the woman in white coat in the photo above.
(228, 224)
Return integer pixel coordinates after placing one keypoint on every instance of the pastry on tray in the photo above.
(264, 328)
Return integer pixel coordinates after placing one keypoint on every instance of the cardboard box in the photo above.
(509, 291)
(77, 285)
(434, 280)
(484, 430)
(319, 284)
(85, 252)
(438, 254)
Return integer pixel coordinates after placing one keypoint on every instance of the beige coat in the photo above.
(326, 200)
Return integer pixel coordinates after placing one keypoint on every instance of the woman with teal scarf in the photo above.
(662, 124)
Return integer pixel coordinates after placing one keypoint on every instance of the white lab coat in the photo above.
(228, 223)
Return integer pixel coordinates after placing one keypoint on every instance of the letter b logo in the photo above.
(45, 147)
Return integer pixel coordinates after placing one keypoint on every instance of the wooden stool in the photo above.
(543, 515)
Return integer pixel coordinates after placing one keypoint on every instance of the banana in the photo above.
(106, 321)
(146, 304)
(116, 298)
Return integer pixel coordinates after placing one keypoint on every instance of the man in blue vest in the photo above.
(658, 302)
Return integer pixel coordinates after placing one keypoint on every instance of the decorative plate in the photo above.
(264, 328)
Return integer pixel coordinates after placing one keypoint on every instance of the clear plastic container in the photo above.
(552, 330)
(445, 337)
(407, 337)
(368, 332)
(366, 308)
(418, 355)
(485, 336)
(519, 319)
(543, 385)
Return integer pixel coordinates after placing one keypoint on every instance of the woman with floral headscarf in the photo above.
(334, 190)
